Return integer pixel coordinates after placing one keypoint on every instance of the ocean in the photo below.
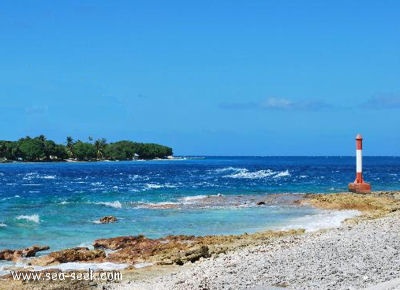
(60, 204)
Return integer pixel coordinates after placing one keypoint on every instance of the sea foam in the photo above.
(282, 174)
(246, 174)
(324, 219)
(32, 218)
(114, 204)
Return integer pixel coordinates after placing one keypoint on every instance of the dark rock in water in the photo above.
(261, 203)
(78, 254)
(7, 255)
(15, 255)
(108, 219)
(31, 251)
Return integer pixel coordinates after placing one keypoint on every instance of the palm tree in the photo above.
(100, 145)
(70, 146)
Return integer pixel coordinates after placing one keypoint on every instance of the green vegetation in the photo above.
(41, 149)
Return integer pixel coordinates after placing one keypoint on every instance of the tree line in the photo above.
(41, 149)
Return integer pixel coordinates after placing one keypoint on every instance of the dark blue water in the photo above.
(59, 204)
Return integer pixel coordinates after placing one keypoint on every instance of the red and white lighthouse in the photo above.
(359, 186)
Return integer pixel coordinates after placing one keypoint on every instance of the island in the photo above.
(41, 149)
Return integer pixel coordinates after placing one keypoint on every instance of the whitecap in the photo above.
(114, 204)
(10, 197)
(2, 225)
(153, 186)
(282, 174)
(49, 177)
(227, 169)
(97, 183)
(193, 198)
(32, 218)
(149, 186)
(246, 174)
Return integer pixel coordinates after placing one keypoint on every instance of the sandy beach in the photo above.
(364, 252)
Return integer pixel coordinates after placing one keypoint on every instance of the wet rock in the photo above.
(193, 255)
(119, 242)
(15, 255)
(7, 255)
(261, 203)
(79, 254)
(108, 219)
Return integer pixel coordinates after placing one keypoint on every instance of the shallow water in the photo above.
(59, 204)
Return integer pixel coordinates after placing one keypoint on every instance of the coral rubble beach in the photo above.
(363, 252)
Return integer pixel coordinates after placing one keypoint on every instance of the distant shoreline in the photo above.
(170, 158)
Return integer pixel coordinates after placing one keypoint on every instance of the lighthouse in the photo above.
(359, 185)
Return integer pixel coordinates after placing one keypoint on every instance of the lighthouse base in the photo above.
(360, 187)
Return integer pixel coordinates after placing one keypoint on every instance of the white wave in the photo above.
(325, 219)
(282, 174)
(153, 186)
(64, 202)
(227, 169)
(246, 174)
(30, 176)
(49, 177)
(2, 225)
(36, 175)
(149, 186)
(32, 218)
(11, 197)
(88, 245)
(138, 177)
(114, 204)
(192, 198)
(97, 183)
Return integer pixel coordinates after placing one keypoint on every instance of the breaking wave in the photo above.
(149, 186)
(114, 204)
(32, 218)
(244, 173)
(322, 220)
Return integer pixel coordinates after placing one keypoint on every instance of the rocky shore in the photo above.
(364, 251)
(351, 257)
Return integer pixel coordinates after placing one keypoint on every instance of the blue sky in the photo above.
(205, 77)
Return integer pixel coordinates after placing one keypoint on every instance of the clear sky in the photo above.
(205, 77)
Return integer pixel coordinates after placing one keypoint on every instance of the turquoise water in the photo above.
(59, 204)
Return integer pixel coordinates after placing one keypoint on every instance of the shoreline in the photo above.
(376, 206)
